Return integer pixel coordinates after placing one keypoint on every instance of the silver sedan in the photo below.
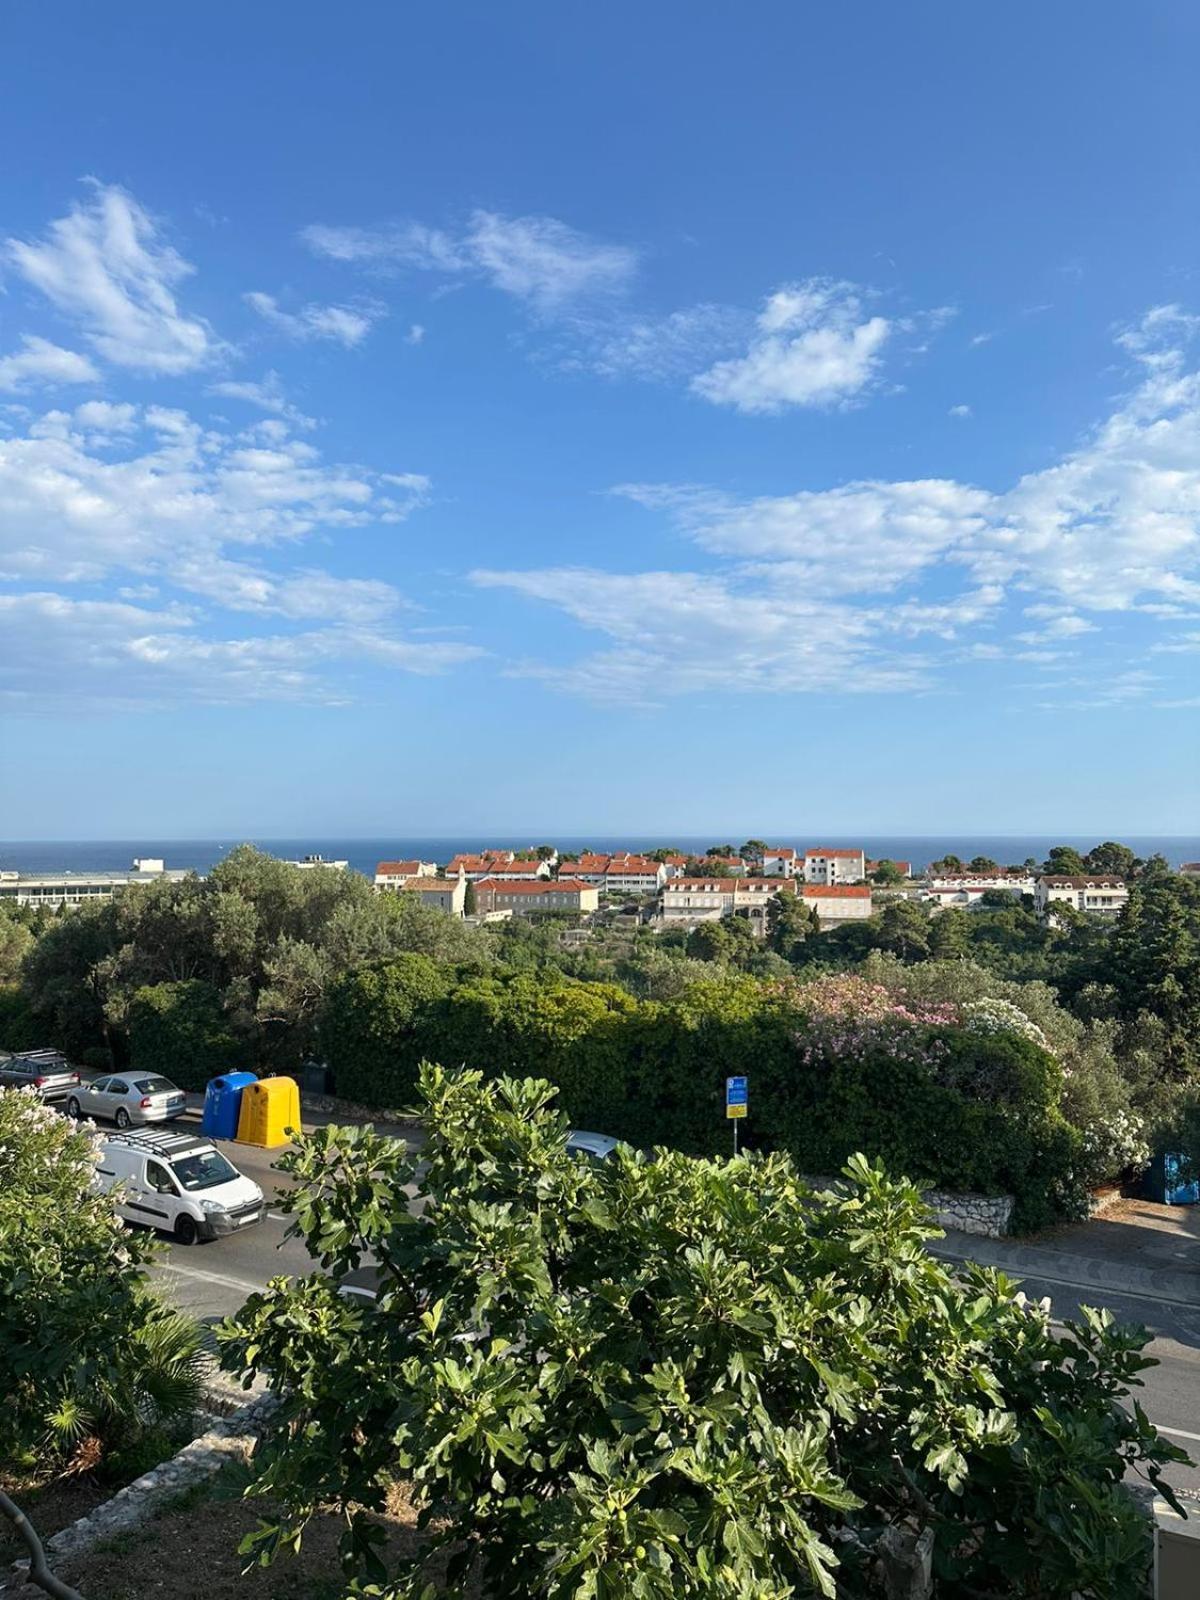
(128, 1098)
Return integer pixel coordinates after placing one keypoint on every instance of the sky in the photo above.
(664, 418)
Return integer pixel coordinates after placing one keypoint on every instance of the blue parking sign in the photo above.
(736, 1096)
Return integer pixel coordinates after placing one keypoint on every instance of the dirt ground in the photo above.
(190, 1553)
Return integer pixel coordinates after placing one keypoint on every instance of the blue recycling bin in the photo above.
(223, 1104)
(1165, 1183)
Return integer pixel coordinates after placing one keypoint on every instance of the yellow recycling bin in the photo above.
(268, 1108)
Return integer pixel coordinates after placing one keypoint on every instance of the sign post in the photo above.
(736, 1100)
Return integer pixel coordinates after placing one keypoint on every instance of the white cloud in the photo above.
(667, 347)
(538, 260)
(106, 417)
(88, 652)
(172, 497)
(814, 346)
(40, 362)
(266, 396)
(960, 411)
(344, 325)
(106, 266)
(856, 570)
(415, 334)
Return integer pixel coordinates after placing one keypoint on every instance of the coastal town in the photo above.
(660, 887)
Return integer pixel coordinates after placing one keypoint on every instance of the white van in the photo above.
(179, 1182)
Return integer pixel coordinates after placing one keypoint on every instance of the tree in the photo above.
(947, 863)
(886, 872)
(725, 940)
(982, 864)
(1064, 861)
(1112, 857)
(904, 929)
(791, 925)
(16, 941)
(950, 934)
(179, 1029)
(752, 850)
(657, 1378)
(470, 900)
(545, 852)
(87, 1351)
(720, 850)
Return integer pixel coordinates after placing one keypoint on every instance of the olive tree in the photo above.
(663, 1377)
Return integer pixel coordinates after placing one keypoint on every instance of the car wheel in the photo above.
(73, 1109)
(185, 1229)
(122, 1117)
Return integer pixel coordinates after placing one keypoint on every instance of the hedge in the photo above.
(983, 1116)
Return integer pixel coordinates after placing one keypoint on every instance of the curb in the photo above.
(1081, 1272)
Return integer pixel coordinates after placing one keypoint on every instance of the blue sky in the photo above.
(658, 418)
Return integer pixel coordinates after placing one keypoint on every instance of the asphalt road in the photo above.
(212, 1281)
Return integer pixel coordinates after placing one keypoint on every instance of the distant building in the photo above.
(390, 874)
(446, 894)
(696, 899)
(529, 898)
(1190, 869)
(479, 866)
(968, 888)
(675, 866)
(824, 865)
(310, 863)
(780, 861)
(836, 903)
(55, 889)
(635, 874)
(1102, 895)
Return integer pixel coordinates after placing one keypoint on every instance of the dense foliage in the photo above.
(87, 1352)
(262, 965)
(658, 1377)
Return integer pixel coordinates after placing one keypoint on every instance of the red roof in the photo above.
(903, 866)
(839, 855)
(783, 852)
(538, 886)
(836, 891)
(632, 864)
(399, 869)
(531, 868)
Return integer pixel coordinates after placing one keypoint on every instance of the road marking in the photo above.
(1178, 1433)
(354, 1288)
(278, 1216)
(218, 1278)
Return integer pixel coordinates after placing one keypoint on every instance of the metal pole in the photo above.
(735, 1128)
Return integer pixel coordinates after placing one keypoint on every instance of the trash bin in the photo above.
(223, 1103)
(1164, 1182)
(268, 1109)
(314, 1078)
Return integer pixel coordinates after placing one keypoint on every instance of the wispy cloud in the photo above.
(38, 362)
(106, 266)
(267, 395)
(344, 325)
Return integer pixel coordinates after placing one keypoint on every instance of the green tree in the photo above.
(720, 850)
(87, 1350)
(470, 900)
(791, 926)
(982, 864)
(16, 941)
(659, 1378)
(904, 929)
(371, 1027)
(950, 934)
(886, 872)
(752, 850)
(1112, 857)
(946, 863)
(1064, 861)
(179, 1029)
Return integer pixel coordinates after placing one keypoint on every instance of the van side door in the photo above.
(151, 1193)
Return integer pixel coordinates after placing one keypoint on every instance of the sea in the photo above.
(201, 855)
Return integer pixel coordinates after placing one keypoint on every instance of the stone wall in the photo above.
(230, 1439)
(971, 1213)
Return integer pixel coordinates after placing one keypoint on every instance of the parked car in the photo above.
(179, 1183)
(47, 1071)
(597, 1146)
(127, 1098)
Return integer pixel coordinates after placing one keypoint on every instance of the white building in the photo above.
(781, 861)
(524, 899)
(836, 903)
(969, 888)
(824, 865)
(391, 874)
(54, 889)
(1102, 895)
(311, 863)
(693, 900)
(634, 874)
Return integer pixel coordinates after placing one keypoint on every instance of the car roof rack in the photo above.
(159, 1141)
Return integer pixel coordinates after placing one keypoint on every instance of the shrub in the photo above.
(179, 1029)
(655, 1379)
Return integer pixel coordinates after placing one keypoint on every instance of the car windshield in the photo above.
(154, 1086)
(205, 1170)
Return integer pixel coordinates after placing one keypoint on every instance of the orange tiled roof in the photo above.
(398, 869)
(538, 886)
(836, 891)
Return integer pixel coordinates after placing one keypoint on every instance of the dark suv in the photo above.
(47, 1071)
